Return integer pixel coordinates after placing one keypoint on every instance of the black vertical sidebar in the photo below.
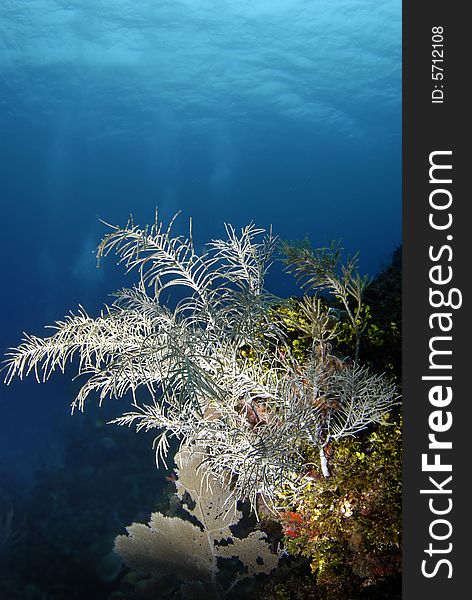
(437, 335)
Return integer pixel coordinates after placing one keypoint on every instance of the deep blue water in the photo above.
(284, 112)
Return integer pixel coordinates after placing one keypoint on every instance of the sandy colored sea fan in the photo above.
(171, 545)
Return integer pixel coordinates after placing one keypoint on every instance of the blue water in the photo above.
(285, 112)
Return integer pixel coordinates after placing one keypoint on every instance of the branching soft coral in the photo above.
(212, 367)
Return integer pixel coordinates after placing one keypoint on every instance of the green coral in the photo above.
(329, 270)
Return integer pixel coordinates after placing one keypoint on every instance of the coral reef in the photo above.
(262, 402)
(252, 414)
(350, 526)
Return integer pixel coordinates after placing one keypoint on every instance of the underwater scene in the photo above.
(201, 249)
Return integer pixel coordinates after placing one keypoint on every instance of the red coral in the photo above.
(292, 532)
(295, 517)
